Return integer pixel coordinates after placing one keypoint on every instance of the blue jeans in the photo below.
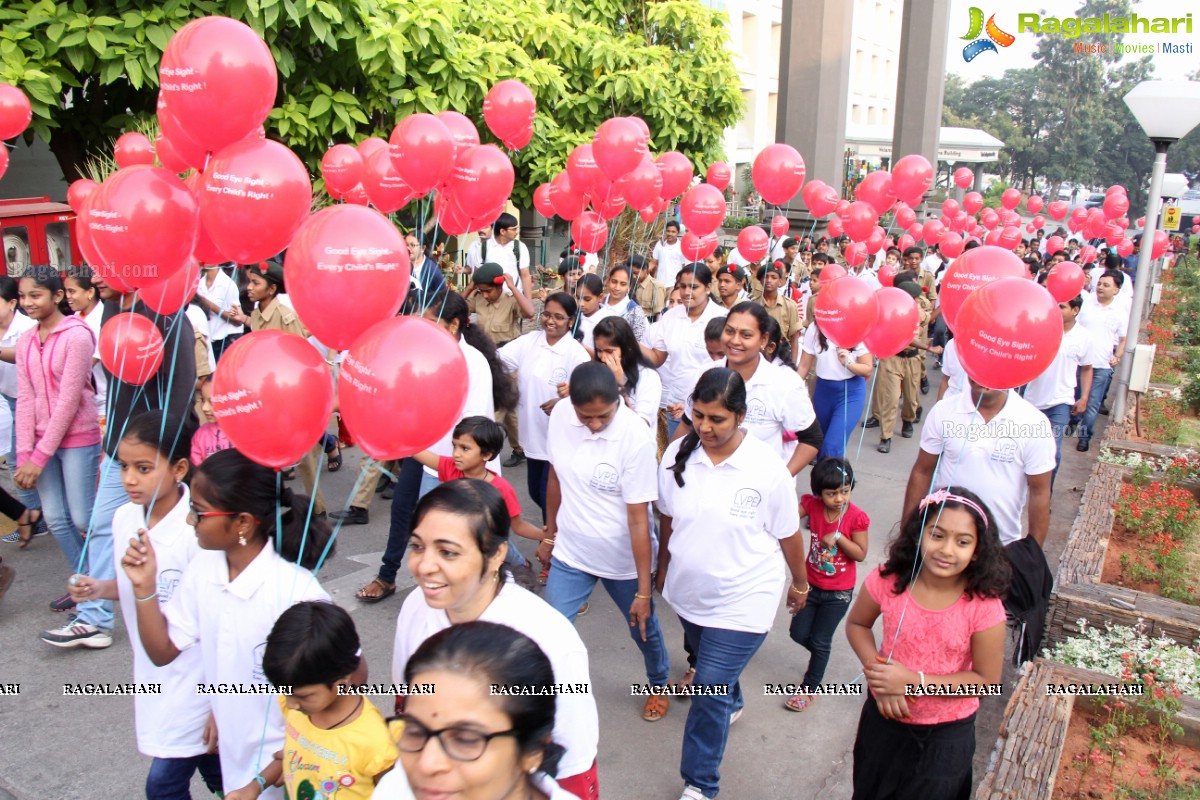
(813, 627)
(68, 489)
(839, 405)
(412, 483)
(171, 778)
(1060, 417)
(1100, 380)
(672, 424)
(109, 496)
(721, 655)
(568, 588)
(28, 497)
(219, 346)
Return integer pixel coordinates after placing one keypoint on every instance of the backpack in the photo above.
(516, 253)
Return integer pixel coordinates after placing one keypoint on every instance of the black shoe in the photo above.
(871, 423)
(906, 430)
(885, 446)
(515, 458)
(384, 483)
(1082, 446)
(920, 413)
(1104, 410)
(388, 493)
(924, 385)
(352, 516)
(1070, 431)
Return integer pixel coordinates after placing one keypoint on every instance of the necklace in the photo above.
(357, 706)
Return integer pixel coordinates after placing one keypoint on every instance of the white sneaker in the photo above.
(691, 793)
(78, 634)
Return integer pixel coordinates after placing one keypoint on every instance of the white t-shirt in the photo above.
(829, 366)
(776, 401)
(480, 402)
(952, 369)
(867, 275)
(588, 324)
(683, 341)
(94, 319)
(224, 293)
(540, 367)
(601, 475)
(670, 260)
(8, 372)
(393, 786)
(991, 460)
(1108, 325)
(195, 315)
(576, 724)
(228, 623)
(647, 397)
(504, 255)
(727, 568)
(170, 724)
(1056, 385)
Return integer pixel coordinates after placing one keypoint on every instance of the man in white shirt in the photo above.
(1108, 321)
(667, 258)
(504, 249)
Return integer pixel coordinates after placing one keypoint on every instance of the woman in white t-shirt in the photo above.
(12, 324)
(620, 280)
(617, 348)
(499, 745)
(218, 295)
(228, 599)
(603, 464)
(84, 300)
(456, 555)
(841, 389)
(543, 361)
(592, 309)
(730, 524)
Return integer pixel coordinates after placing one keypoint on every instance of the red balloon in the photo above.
(1034, 204)
(131, 348)
(1087, 254)
(641, 126)
(170, 160)
(1159, 246)
(346, 269)
(932, 230)
(753, 243)
(845, 310)
(974, 268)
(1007, 332)
(220, 79)
(697, 248)
(3, 160)
(876, 189)
(989, 218)
(963, 177)
(642, 185)
(541, 200)
(483, 178)
(272, 395)
(590, 232)
(896, 324)
(369, 146)
(15, 111)
(719, 175)
(407, 357)
(83, 234)
(875, 241)
(1125, 246)
(462, 130)
(859, 220)
(648, 215)
(133, 148)
(702, 209)
(912, 177)
(167, 297)
(1054, 244)
(508, 110)
(582, 169)
(567, 203)
(905, 216)
(1115, 205)
(386, 190)
(1113, 233)
(1010, 237)
(841, 207)
(779, 226)
(256, 194)
(906, 241)
(1038, 221)
(972, 202)
(607, 198)
(819, 197)
(78, 191)
(677, 173)
(856, 253)
(1058, 210)
(950, 244)
(835, 228)
(618, 146)
(887, 274)
(342, 169)
(1010, 198)
(488, 220)
(1065, 280)
(950, 207)
(1116, 188)
(144, 223)
(452, 219)
(833, 272)
(778, 173)
(423, 151)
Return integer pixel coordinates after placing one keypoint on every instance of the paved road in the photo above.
(58, 747)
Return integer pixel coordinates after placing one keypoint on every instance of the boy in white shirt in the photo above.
(1108, 320)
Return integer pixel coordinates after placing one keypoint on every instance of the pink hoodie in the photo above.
(55, 398)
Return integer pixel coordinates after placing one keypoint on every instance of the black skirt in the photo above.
(900, 761)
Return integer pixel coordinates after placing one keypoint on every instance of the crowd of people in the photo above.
(663, 410)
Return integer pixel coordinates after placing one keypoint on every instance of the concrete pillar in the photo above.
(533, 234)
(814, 86)
(924, 29)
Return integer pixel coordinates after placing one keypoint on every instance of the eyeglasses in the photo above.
(195, 516)
(555, 317)
(460, 744)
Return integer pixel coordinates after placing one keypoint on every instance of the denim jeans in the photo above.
(1060, 417)
(721, 655)
(28, 497)
(568, 588)
(412, 483)
(1100, 380)
(839, 405)
(68, 489)
(110, 495)
(538, 475)
(672, 424)
(171, 778)
(813, 626)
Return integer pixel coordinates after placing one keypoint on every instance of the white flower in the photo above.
(1103, 651)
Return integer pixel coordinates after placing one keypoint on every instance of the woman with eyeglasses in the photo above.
(543, 361)
(456, 555)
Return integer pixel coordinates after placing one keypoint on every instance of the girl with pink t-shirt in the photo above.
(939, 593)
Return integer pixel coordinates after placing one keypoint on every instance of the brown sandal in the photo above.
(25, 531)
(385, 591)
(655, 708)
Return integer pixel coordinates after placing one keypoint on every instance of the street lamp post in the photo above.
(1167, 111)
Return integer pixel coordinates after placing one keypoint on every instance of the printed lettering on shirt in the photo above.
(756, 412)
(558, 376)
(1005, 451)
(168, 580)
(745, 503)
(258, 676)
(604, 478)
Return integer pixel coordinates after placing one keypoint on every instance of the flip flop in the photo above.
(798, 702)
(385, 593)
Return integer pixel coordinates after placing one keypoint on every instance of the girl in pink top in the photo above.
(209, 438)
(943, 644)
(58, 429)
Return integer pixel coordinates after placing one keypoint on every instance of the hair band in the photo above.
(942, 495)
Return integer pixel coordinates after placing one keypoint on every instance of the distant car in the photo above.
(1064, 192)
(1094, 200)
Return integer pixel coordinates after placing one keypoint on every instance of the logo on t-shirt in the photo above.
(168, 579)
(745, 503)
(558, 376)
(1005, 451)
(257, 675)
(604, 478)
(756, 412)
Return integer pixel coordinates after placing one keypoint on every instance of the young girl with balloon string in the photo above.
(939, 593)
(544, 361)
(591, 308)
(457, 552)
(841, 387)
(730, 524)
(620, 280)
(251, 568)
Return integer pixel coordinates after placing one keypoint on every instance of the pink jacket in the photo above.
(207, 440)
(55, 399)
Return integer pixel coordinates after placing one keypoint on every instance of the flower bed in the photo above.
(1155, 541)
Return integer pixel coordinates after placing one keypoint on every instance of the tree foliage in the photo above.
(351, 68)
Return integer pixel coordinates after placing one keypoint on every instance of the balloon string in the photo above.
(337, 528)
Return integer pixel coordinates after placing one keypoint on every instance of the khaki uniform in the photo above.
(371, 472)
(500, 320)
(899, 381)
(808, 310)
(785, 312)
(928, 282)
(651, 296)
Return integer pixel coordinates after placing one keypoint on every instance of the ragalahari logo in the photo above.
(995, 36)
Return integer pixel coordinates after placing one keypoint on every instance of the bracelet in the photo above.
(637, 596)
(145, 599)
(922, 674)
(261, 781)
(797, 591)
(549, 541)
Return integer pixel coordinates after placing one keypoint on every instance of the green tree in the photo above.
(351, 69)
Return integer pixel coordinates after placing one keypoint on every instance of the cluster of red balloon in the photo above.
(15, 114)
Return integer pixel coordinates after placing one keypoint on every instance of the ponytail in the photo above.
(717, 384)
(686, 448)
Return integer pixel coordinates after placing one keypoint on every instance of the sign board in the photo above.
(1171, 217)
